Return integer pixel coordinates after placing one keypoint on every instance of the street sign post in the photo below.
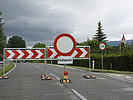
(102, 47)
(64, 45)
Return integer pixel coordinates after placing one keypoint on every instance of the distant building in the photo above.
(118, 43)
(123, 41)
(123, 38)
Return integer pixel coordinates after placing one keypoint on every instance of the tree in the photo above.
(39, 45)
(93, 44)
(100, 36)
(132, 46)
(2, 37)
(16, 42)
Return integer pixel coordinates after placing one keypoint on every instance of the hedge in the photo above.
(121, 63)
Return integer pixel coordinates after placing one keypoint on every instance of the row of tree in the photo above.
(2, 37)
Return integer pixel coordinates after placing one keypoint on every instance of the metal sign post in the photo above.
(102, 60)
(89, 75)
(102, 47)
(3, 62)
(46, 60)
(65, 45)
(89, 64)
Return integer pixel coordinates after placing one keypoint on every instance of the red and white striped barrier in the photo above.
(78, 53)
(24, 54)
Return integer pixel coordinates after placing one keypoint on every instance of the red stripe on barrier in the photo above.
(35, 54)
(87, 50)
(49, 53)
(26, 54)
(16, 54)
(79, 52)
(7, 54)
(42, 53)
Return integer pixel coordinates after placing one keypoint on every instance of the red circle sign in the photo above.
(102, 46)
(65, 73)
(64, 44)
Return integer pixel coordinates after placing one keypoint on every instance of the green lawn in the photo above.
(7, 68)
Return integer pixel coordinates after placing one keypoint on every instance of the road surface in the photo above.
(24, 83)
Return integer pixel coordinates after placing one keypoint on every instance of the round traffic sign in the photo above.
(102, 46)
(64, 44)
(65, 73)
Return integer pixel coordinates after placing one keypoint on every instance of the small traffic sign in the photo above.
(65, 60)
(65, 73)
(64, 44)
(102, 46)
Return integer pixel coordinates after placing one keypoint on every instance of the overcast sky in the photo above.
(42, 20)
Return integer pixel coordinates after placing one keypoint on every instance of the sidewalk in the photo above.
(124, 77)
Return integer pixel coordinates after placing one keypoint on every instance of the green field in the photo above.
(7, 68)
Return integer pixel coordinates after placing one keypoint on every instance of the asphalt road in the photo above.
(25, 84)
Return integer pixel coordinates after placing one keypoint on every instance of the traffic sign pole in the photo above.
(64, 45)
(102, 60)
(89, 63)
(65, 67)
(46, 60)
(102, 47)
(3, 62)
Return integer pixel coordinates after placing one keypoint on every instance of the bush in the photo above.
(119, 62)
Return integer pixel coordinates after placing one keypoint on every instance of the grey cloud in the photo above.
(32, 22)
(43, 20)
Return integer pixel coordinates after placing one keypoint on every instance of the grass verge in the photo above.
(102, 71)
(7, 68)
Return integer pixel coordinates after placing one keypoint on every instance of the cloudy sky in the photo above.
(42, 20)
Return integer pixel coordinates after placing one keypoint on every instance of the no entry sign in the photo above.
(64, 44)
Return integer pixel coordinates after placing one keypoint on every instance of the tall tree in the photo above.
(39, 45)
(16, 42)
(100, 36)
(2, 37)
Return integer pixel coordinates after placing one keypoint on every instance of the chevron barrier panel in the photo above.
(78, 53)
(24, 54)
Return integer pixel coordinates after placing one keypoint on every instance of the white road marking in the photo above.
(79, 95)
(10, 70)
(74, 91)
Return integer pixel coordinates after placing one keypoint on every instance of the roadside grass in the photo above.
(7, 68)
(102, 71)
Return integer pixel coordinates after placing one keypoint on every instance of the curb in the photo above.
(10, 70)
